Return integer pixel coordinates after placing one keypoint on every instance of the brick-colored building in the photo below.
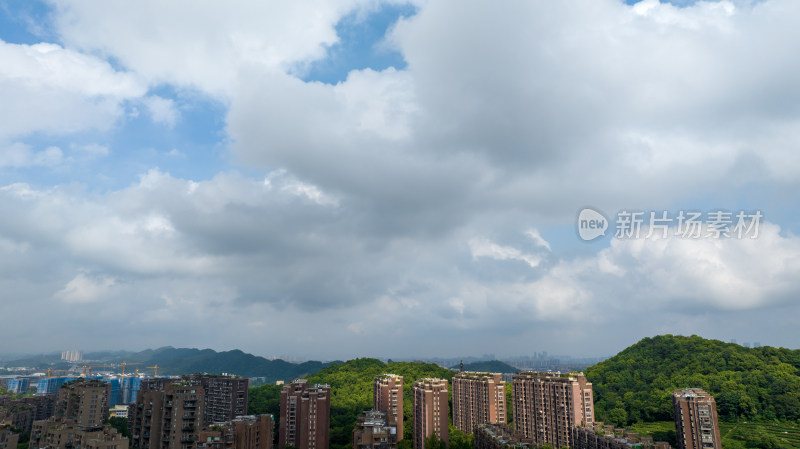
(696, 422)
(548, 405)
(500, 436)
(374, 430)
(17, 415)
(305, 416)
(388, 397)
(44, 406)
(84, 401)
(225, 396)
(169, 419)
(599, 436)
(431, 411)
(61, 433)
(478, 398)
(8, 439)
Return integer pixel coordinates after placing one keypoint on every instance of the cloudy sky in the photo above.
(339, 178)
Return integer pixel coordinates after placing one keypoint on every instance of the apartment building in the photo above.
(388, 397)
(305, 416)
(85, 402)
(478, 398)
(374, 430)
(696, 422)
(168, 419)
(548, 405)
(431, 411)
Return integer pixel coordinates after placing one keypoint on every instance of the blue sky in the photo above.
(346, 162)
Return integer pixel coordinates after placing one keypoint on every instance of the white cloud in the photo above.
(85, 289)
(484, 248)
(92, 149)
(48, 88)
(21, 155)
(162, 110)
(202, 44)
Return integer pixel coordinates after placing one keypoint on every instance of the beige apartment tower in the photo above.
(548, 405)
(478, 398)
(168, 419)
(696, 423)
(431, 411)
(84, 402)
(305, 416)
(388, 398)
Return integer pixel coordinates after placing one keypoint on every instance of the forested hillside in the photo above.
(751, 383)
(488, 366)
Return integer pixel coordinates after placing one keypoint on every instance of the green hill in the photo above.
(488, 366)
(351, 392)
(176, 361)
(751, 383)
(189, 360)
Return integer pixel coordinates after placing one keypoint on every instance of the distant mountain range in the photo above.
(175, 361)
(489, 366)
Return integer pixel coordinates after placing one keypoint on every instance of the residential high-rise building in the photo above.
(225, 396)
(19, 385)
(305, 416)
(548, 405)
(374, 431)
(431, 411)
(478, 398)
(388, 397)
(50, 385)
(44, 406)
(696, 423)
(168, 419)
(72, 356)
(85, 402)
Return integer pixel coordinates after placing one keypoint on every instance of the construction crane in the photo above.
(50, 371)
(125, 364)
(90, 367)
(155, 367)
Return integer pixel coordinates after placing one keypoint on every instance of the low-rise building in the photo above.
(8, 439)
(243, 432)
(500, 436)
(61, 433)
(607, 437)
(17, 415)
(374, 430)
